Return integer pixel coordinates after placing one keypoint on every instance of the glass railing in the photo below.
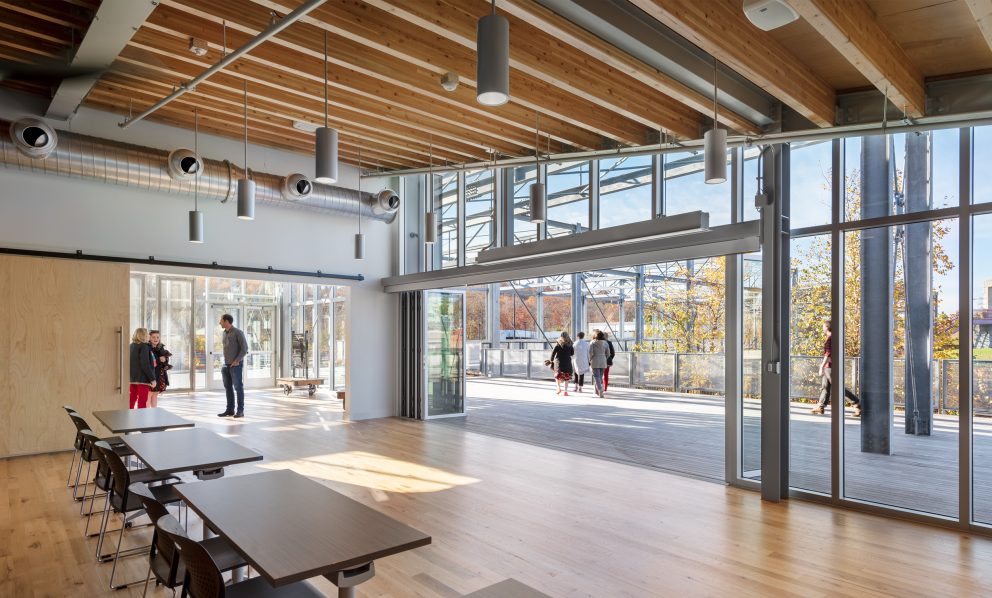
(704, 374)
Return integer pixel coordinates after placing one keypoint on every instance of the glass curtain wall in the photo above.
(625, 193)
(185, 309)
(876, 226)
(524, 231)
(568, 189)
(480, 212)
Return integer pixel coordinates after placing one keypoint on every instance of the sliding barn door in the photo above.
(64, 339)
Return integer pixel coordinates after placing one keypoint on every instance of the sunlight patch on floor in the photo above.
(376, 472)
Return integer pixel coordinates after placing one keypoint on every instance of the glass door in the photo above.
(260, 329)
(215, 354)
(445, 354)
(176, 327)
(258, 322)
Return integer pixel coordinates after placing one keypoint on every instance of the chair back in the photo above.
(78, 421)
(87, 445)
(203, 578)
(162, 546)
(120, 478)
(78, 443)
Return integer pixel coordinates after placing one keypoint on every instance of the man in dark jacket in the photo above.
(235, 350)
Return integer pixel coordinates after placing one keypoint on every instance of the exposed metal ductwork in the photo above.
(80, 156)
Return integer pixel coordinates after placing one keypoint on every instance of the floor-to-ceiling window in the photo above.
(625, 190)
(568, 191)
(480, 212)
(686, 189)
(524, 231)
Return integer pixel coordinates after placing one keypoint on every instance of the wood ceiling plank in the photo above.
(133, 87)
(720, 28)
(343, 110)
(308, 80)
(34, 46)
(583, 41)
(225, 124)
(347, 60)
(34, 28)
(537, 54)
(51, 13)
(982, 11)
(161, 51)
(851, 27)
(362, 24)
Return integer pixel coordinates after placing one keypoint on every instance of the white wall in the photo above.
(63, 214)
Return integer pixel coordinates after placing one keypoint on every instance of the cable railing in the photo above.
(704, 374)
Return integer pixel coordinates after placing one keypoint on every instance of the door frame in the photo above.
(425, 379)
(191, 382)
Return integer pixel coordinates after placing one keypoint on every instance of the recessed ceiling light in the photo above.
(304, 126)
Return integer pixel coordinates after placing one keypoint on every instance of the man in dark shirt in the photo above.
(235, 350)
(825, 384)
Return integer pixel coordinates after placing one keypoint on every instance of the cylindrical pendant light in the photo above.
(492, 73)
(538, 203)
(195, 215)
(246, 186)
(715, 145)
(430, 221)
(326, 149)
(359, 236)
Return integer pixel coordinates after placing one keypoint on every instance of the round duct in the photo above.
(386, 202)
(33, 137)
(296, 186)
(184, 164)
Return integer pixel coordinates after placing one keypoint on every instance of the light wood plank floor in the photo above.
(563, 523)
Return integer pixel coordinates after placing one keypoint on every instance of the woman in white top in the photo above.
(581, 360)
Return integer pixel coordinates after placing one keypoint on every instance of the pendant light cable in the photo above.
(325, 78)
(246, 128)
(196, 150)
(715, 88)
(359, 190)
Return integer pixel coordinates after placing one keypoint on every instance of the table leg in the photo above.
(237, 575)
(348, 580)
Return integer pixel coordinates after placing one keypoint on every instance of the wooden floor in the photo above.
(563, 523)
(685, 434)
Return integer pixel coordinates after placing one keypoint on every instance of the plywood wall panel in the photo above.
(64, 345)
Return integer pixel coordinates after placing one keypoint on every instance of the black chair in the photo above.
(114, 441)
(120, 500)
(164, 559)
(203, 577)
(76, 446)
(102, 479)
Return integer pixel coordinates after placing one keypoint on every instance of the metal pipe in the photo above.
(262, 37)
(117, 163)
(927, 123)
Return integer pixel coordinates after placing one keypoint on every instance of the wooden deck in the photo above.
(685, 434)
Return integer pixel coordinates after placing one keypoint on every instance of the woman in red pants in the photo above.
(142, 370)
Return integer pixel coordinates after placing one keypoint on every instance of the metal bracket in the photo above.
(209, 474)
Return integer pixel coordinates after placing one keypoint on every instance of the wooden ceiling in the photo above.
(386, 58)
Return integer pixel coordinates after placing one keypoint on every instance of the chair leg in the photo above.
(148, 576)
(75, 490)
(117, 554)
(68, 478)
(89, 515)
(103, 527)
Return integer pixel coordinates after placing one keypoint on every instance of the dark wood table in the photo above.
(291, 528)
(128, 421)
(203, 452)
